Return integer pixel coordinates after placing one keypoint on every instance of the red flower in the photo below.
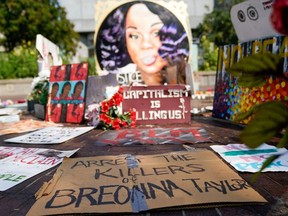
(104, 107)
(279, 16)
(132, 114)
(124, 123)
(133, 124)
(116, 123)
(111, 102)
(105, 118)
(120, 90)
(118, 98)
(110, 118)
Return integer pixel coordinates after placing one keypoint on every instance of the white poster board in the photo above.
(50, 135)
(19, 164)
(251, 20)
(245, 159)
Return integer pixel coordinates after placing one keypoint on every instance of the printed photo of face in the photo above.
(54, 91)
(142, 39)
(65, 91)
(77, 91)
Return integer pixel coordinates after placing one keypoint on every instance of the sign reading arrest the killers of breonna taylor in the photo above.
(128, 183)
(158, 104)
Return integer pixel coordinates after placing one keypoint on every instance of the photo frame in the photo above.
(67, 93)
(112, 51)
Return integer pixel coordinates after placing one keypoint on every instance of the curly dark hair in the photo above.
(110, 45)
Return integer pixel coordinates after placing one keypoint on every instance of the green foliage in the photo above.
(40, 92)
(92, 66)
(20, 63)
(269, 118)
(253, 70)
(22, 20)
(209, 55)
(217, 25)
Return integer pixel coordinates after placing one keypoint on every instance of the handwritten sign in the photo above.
(245, 159)
(153, 136)
(19, 164)
(50, 135)
(134, 183)
(158, 104)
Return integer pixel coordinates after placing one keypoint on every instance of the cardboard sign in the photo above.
(245, 159)
(19, 164)
(230, 99)
(131, 183)
(158, 104)
(153, 136)
(67, 93)
(253, 14)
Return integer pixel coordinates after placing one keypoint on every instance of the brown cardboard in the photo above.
(165, 104)
(128, 183)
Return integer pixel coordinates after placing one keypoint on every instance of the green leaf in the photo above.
(260, 63)
(244, 115)
(251, 80)
(270, 118)
(267, 162)
(253, 70)
(284, 140)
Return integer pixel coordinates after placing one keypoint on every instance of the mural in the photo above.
(142, 41)
(230, 99)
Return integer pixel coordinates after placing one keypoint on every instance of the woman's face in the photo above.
(78, 90)
(143, 43)
(66, 90)
(54, 90)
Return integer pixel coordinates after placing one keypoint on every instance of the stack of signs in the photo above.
(134, 183)
(67, 93)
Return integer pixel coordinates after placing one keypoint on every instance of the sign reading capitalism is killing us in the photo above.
(135, 183)
(158, 104)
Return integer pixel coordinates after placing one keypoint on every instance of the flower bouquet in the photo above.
(39, 88)
(108, 114)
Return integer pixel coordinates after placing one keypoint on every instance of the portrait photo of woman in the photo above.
(54, 92)
(77, 92)
(144, 34)
(66, 91)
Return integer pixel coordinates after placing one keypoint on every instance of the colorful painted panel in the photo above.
(67, 90)
(230, 99)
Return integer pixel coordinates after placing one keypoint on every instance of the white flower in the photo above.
(34, 82)
(44, 74)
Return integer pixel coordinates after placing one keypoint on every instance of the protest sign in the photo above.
(153, 136)
(19, 164)
(158, 104)
(245, 159)
(134, 183)
(50, 135)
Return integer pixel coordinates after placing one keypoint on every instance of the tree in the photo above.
(217, 25)
(22, 20)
